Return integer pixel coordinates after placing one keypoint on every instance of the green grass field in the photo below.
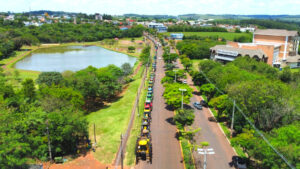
(112, 121)
(135, 131)
(195, 64)
(225, 35)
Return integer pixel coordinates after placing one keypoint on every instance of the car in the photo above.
(197, 105)
(238, 162)
(203, 103)
(184, 82)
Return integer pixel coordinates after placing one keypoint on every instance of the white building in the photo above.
(98, 17)
(247, 29)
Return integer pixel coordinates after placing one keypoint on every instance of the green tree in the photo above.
(50, 78)
(28, 90)
(208, 90)
(286, 75)
(220, 103)
(184, 117)
(264, 102)
(131, 49)
(127, 69)
(173, 96)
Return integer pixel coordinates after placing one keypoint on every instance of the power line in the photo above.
(257, 130)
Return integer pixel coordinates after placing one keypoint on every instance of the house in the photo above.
(158, 26)
(98, 17)
(276, 47)
(176, 36)
(123, 28)
(10, 18)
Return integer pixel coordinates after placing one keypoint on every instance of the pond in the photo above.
(72, 58)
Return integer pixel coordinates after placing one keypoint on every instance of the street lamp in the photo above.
(175, 75)
(182, 90)
(204, 152)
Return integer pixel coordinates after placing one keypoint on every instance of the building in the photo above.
(10, 18)
(250, 29)
(98, 17)
(158, 26)
(276, 47)
(176, 36)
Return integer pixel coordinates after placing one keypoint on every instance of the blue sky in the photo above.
(170, 7)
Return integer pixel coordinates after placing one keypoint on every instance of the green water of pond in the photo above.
(72, 58)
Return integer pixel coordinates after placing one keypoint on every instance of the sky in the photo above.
(150, 7)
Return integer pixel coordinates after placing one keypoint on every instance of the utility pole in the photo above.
(121, 151)
(232, 120)
(204, 152)
(49, 142)
(182, 90)
(175, 75)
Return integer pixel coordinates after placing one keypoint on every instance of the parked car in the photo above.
(184, 82)
(197, 105)
(203, 103)
(238, 162)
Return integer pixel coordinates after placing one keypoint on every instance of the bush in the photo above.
(50, 78)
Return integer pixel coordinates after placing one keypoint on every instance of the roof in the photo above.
(241, 51)
(143, 142)
(275, 32)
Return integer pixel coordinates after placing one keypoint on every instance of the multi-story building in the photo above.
(274, 46)
(158, 26)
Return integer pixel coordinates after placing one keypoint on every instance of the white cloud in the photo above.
(171, 7)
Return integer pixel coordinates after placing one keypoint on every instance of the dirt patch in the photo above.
(125, 42)
(84, 162)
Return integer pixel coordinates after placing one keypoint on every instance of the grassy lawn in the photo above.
(123, 44)
(295, 70)
(136, 128)
(112, 121)
(225, 35)
(195, 64)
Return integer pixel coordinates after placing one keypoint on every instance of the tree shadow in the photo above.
(177, 135)
(25, 49)
(171, 121)
(170, 108)
(186, 106)
(196, 93)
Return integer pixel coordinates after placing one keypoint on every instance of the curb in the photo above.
(220, 128)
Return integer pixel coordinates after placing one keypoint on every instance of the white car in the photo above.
(184, 81)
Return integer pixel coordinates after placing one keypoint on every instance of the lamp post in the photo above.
(182, 90)
(204, 152)
(175, 75)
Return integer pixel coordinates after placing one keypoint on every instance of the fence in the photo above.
(125, 137)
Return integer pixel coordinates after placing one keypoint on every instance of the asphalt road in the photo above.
(166, 148)
(210, 132)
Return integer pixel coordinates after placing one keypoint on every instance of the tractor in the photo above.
(145, 129)
(147, 107)
(143, 149)
(149, 96)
